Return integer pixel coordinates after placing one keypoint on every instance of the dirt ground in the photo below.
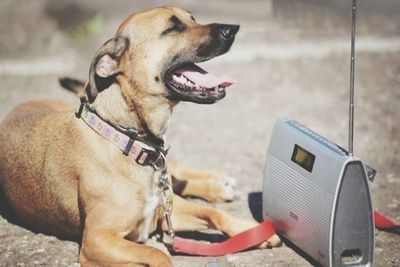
(291, 59)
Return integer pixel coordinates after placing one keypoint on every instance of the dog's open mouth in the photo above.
(189, 82)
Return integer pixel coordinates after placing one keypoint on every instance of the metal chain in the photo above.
(167, 202)
(164, 186)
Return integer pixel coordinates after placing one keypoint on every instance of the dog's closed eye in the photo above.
(176, 26)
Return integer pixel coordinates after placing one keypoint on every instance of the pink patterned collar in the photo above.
(141, 152)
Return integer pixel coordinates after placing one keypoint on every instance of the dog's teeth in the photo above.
(184, 83)
(184, 80)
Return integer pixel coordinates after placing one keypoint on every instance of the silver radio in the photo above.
(318, 197)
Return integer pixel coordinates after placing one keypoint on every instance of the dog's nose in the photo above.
(227, 31)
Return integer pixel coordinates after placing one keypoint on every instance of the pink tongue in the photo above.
(203, 78)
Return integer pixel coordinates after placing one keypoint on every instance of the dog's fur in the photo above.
(60, 177)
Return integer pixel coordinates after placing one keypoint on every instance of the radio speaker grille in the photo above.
(300, 209)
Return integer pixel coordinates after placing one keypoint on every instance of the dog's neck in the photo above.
(132, 109)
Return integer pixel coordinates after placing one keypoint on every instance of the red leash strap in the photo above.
(239, 242)
(382, 222)
(249, 238)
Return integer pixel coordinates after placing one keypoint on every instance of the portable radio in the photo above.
(317, 195)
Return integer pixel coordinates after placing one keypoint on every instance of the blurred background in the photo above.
(290, 59)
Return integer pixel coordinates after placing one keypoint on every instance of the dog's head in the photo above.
(155, 52)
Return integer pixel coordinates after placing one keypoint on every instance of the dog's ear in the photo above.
(105, 66)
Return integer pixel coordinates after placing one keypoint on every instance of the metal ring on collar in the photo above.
(160, 163)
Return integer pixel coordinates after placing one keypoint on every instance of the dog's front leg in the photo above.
(213, 186)
(103, 244)
(188, 216)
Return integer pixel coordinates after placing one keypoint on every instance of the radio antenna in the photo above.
(352, 63)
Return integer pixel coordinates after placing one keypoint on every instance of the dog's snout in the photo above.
(227, 31)
(221, 38)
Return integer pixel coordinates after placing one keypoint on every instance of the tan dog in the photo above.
(61, 177)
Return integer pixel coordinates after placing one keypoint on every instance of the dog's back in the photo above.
(24, 154)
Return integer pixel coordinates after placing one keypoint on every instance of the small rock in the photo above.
(232, 258)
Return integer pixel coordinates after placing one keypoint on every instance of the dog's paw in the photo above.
(273, 241)
(224, 189)
(221, 189)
